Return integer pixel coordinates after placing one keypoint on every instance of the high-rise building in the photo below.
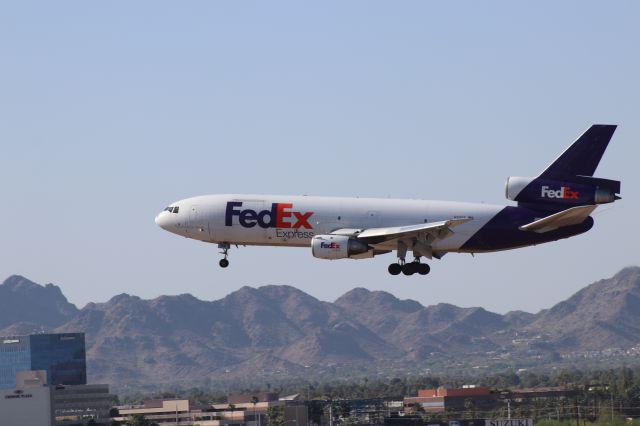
(62, 356)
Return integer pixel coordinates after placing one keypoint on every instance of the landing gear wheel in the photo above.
(225, 251)
(423, 268)
(395, 269)
(409, 268)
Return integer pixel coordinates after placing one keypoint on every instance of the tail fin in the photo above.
(583, 156)
(569, 181)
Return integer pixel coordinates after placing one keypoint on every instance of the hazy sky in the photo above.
(111, 110)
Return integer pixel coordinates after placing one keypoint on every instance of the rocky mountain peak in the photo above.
(43, 307)
(376, 300)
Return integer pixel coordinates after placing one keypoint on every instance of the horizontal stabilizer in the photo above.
(572, 216)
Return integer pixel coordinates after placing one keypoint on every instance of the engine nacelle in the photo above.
(515, 185)
(578, 190)
(337, 247)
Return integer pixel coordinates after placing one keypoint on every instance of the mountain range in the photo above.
(255, 331)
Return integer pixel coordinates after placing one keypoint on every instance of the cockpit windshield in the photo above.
(171, 209)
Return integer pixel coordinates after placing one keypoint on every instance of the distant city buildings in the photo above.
(62, 356)
(43, 382)
(475, 398)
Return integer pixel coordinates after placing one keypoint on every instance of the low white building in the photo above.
(32, 402)
(29, 406)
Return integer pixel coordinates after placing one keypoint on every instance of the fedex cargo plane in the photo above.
(556, 204)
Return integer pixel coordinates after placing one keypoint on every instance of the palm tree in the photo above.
(254, 400)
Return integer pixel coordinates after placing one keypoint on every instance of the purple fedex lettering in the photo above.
(231, 211)
(274, 218)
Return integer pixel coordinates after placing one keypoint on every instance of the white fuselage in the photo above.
(554, 205)
(274, 220)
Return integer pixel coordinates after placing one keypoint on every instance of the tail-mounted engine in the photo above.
(579, 190)
(337, 247)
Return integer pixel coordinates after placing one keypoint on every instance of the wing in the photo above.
(572, 216)
(439, 230)
(419, 237)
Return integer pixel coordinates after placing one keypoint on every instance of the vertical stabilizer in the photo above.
(583, 156)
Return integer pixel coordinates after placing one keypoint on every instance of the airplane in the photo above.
(554, 205)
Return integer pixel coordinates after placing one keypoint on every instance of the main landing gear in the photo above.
(409, 268)
(225, 250)
(414, 267)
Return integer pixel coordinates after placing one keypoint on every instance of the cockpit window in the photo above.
(171, 209)
(175, 209)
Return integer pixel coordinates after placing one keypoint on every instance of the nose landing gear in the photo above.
(225, 250)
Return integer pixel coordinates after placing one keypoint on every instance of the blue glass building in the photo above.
(62, 356)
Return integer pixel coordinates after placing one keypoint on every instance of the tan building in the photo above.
(26, 407)
(53, 405)
(30, 403)
(181, 413)
(173, 411)
(250, 414)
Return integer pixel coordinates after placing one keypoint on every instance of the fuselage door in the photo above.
(193, 215)
(197, 227)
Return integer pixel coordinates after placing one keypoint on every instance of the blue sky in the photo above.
(109, 111)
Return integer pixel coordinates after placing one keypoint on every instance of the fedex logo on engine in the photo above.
(330, 245)
(564, 192)
(281, 215)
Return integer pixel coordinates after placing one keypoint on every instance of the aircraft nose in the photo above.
(162, 220)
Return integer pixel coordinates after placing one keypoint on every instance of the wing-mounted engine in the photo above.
(337, 247)
(574, 191)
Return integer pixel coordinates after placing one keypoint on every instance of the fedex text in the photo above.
(564, 192)
(334, 246)
(281, 216)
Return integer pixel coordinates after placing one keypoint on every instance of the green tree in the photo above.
(275, 415)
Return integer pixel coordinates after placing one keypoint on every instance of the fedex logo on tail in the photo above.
(564, 192)
(280, 215)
